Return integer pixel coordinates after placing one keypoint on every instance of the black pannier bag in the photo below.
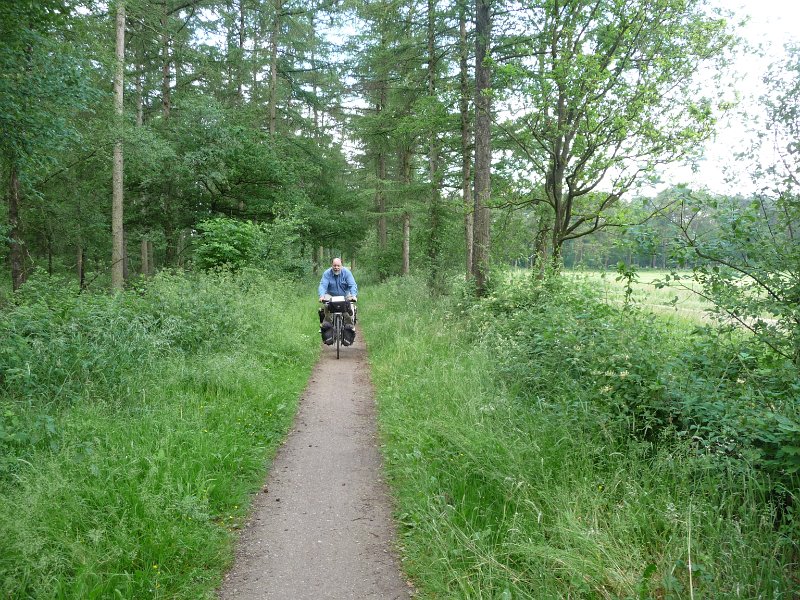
(348, 335)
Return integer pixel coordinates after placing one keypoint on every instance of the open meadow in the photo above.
(650, 290)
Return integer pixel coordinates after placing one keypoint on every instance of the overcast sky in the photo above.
(771, 24)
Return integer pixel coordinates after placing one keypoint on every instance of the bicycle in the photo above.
(337, 307)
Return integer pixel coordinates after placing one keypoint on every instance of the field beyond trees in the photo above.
(649, 290)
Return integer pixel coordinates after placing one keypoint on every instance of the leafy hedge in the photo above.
(536, 449)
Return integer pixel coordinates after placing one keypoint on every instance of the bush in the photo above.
(507, 427)
(232, 244)
(720, 390)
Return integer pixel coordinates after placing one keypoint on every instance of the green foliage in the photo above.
(61, 347)
(146, 483)
(524, 480)
(749, 267)
(40, 79)
(606, 88)
(627, 273)
(714, 387)
(236, 244)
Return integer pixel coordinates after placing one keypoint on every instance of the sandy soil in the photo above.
(322, 527)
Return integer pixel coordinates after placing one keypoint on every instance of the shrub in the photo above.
(720, 390)
(233, 244)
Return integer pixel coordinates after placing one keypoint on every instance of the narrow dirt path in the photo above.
(322, 528)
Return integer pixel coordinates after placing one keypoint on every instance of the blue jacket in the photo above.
(342, 284)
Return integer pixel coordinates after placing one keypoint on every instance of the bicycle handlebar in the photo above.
(327, 298)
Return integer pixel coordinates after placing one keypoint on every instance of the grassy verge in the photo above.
(514, 484)
(143, 489)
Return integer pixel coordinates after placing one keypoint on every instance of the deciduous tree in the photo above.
(601, 92)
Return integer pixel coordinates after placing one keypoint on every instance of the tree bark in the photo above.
(125, 257)
(405, 178)
(117, 232)
(81, 267)
(166, 100)
(145, 257)
(380, 192)
(181, 250)
(318, 254)
(483, 148)
(240, 66)
(406, 243)
(17, 256)
(434, 212)
(273, 66)
(140, 97)
(466, 134)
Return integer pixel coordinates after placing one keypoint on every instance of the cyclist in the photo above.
(337, 281)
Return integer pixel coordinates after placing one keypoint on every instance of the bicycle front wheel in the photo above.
(337, 331)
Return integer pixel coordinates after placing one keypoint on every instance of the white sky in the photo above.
(772, 23)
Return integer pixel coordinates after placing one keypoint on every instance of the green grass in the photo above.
(676, 299)
(143, 493)
(506, 495)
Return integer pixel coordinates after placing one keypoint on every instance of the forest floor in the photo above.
(322, 527)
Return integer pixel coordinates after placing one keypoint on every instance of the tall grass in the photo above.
(515, 479)
(654, 290)
(148, 479)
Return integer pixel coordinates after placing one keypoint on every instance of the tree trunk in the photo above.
(256, 67)
(125, 257)
(406, 243)
(140, 97)
(181, 250)
(318, 254)
(145, 257)
(405, 178)
(483, 148)
(380, 192)
(81, 268)
(380, 201)
(434, 212)
(315, 80)
(466, 134)
(273, 67)
(240, 66)
(16, 254)
(166, 101)
(117, 234)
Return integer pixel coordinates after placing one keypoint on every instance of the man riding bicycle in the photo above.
(337, 281)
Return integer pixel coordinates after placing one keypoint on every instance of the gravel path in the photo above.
(322, 528)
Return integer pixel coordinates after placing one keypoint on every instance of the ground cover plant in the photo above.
(558, 447)
(135, 426)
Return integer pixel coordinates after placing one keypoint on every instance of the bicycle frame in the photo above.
(338, 326)
(337, 319)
